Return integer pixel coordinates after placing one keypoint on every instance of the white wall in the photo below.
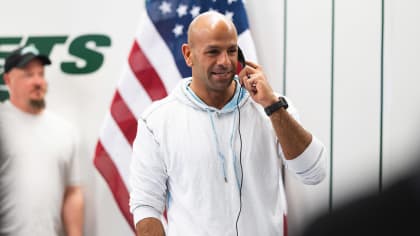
(333, 75)
(82, 99)
(402, 79)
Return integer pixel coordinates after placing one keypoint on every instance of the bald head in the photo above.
(207, 23)
(212, 54)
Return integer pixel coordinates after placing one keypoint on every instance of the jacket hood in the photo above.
(184, 94)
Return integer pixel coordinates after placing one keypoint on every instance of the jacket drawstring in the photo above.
(232, 148)
(216, 141)
(220, 154)
(231, 107)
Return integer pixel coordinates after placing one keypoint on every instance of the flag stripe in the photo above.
(110, 173)
(285, 233)
(246, 43)
(154, 47)
(145, 73)
(124, 118)
(133, 93)
(117, 147)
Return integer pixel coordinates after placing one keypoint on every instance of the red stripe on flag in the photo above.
(124, 117)
(145, 73)
(284, 225)
(109, 171)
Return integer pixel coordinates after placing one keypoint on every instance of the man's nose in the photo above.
(223, 59)
(38, 80)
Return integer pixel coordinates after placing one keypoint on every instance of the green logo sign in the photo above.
(84, 47)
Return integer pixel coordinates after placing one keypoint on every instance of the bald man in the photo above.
(210, 153)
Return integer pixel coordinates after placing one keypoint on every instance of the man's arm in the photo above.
(302, 151)
(293, 138)
(149, 227)
(73, 211)
(148, 178)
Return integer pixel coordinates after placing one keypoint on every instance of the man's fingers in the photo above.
(252, 64)
(249, 76)
(250, 83)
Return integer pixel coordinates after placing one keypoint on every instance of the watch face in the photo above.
(285, 104)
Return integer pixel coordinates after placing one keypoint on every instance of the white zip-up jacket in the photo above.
(187, 159)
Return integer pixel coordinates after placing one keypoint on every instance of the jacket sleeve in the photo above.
(309, 166)
(148, 176)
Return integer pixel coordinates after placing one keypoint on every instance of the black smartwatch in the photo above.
(275, 106)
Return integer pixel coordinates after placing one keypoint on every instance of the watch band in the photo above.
(275, 106)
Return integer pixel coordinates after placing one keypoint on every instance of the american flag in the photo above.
(155, 64)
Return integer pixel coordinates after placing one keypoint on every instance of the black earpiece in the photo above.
(241, 57)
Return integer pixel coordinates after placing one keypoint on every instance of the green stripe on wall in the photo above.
(284, 45)
(382, 98)
(332, 105)
(284, 63)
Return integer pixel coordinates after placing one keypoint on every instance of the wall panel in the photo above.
(401, 130)
(308, 84)
(356, 98)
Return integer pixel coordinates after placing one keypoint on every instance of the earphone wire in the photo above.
(240, 159)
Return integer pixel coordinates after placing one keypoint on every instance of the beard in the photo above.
(37, 104)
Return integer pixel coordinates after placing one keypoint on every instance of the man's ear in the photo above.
(186, 51)
(6, 78)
